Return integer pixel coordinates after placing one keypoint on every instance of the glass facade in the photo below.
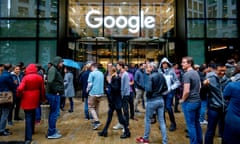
(112, 30)
(211, 20)
(128, 30)
(28, 31)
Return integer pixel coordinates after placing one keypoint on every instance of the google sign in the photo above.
(94, 20)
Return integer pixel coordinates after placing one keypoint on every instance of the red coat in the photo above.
(31, 89)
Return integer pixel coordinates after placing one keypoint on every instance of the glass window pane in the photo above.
(47, 51)
(48, 8)
(222, 29)
(164, 15)
(18, 8)
(196, 49)
(48, 28)
(222, 8)
(18, 28)
(195, 28)
(120, 13)
(16, 51)
(195, 9)
(79, 24)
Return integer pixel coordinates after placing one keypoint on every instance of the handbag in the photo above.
(6, 97)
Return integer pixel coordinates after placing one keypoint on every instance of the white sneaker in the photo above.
(204, 122)
(118, 126)
(55, 136)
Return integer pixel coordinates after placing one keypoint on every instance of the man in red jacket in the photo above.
(31, 90)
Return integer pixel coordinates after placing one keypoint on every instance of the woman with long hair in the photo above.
(115, 103)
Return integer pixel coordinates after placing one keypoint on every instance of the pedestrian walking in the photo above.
(115, 103)
(69, 91)
(95, 89)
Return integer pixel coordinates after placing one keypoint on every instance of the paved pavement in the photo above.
(76, 130)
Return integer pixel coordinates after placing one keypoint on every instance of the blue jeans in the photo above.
(214, 118)
(86, 111)
(191, 112)
(54, 102)
(38, 113)
(4, 111)
(168, 104)
(151, 107)
(203, 110)
(29, 123)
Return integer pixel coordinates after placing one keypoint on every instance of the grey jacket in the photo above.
(170, 75)
(68, 85)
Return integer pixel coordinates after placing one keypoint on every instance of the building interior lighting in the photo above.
(218, 48)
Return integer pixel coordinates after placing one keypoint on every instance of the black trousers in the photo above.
(125, 103)
(16, 107)
(120, 118)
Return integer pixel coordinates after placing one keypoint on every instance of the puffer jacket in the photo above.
(31, 89)
(155, 86)
(54, 78)
(216, 100)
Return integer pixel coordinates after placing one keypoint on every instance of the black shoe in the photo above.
(187, 135)
(70, 110)
(173, 127)
(5, 133)
(177, 111)
(125, 135)
(102, 133)
(18, 119)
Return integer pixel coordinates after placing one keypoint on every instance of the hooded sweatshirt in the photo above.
(170, 75)
(54, 78)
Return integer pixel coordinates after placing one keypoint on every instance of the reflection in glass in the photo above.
(77, 13)
(164, 16)
(18, 28)
(221, 8)
(48, 28)
(18, 8)
(195, 9)
(195, 28)
(15, 51)
(98, 49)
(47, 51)
(222, 29)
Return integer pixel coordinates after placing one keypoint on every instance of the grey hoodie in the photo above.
(170, 75)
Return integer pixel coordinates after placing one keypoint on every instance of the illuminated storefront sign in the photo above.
(94, 20)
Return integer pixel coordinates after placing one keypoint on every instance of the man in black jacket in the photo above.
(155, 86)
(216, 103)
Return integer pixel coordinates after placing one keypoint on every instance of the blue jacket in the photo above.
(139, 79)
(6, 82)
(232, 118)
(95, 83)
(83, 80)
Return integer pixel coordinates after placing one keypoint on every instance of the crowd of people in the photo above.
(208, 95)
